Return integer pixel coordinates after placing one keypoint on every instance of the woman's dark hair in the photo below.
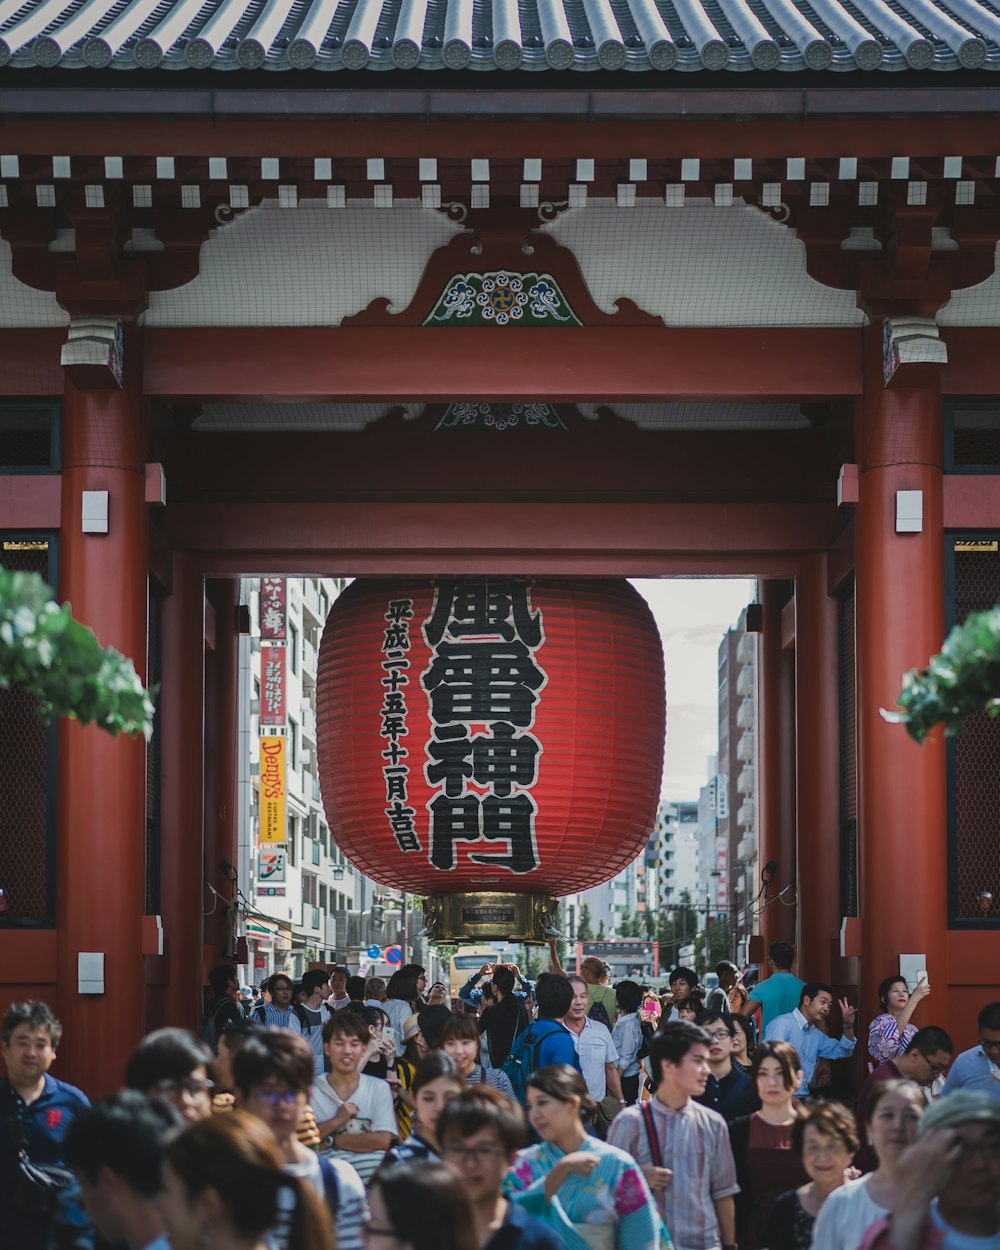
(165, 1055)
(236, 1156)
(374, 1016)
(436, 1065)
(273, 1052)
(884, 1088)
(460, 1028)
(427, 1205)
(629, 996)
(787, 1057)
(403, 984)
(744, 1025)
(828, 1118)
(885, 986)
(562, 1083)
(503, 979)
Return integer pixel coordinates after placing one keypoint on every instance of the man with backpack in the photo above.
(225, 985)
(547, 1039)
(280, 1012)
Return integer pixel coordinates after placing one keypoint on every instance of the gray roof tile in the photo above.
(533, 35)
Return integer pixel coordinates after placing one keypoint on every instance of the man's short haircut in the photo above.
(123, 1132)
(356, 989)
(460, 1029)
(628, 996)
(812, 988)
(236, 1033)
(335, 968)
(782, 955)
(672, 1043)
(930, 1040)
(830, 1119)
(684, 974)
(273, 980)
(277, 1053)
(989, 1017)
(346, 1024)
(503, 979)
(481, 1107)
(165, 1055)
(554, 996)
(36, 1013)
(374, 987)
(220, 977)
(725, 965)
(704, 1018)
(313, 979)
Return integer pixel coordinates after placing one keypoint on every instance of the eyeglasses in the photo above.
(993, 1045)
(721, 1035)
(273, 1097)
(935, 1068)
(192, 1087)
(477, 1154)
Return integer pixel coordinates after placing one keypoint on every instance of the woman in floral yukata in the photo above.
(592, 1194)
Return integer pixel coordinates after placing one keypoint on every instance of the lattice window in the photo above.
(972, 438)
(974, 778)
(27, 764)
(29, 437)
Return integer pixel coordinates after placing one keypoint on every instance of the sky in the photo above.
(692, 616)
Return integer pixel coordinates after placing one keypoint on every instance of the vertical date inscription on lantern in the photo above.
(393, 713)
(483, 674)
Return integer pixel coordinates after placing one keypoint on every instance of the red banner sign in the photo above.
(272, 686)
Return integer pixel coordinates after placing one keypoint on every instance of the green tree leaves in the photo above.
(58, 660)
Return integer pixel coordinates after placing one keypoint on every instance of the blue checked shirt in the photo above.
(810, 1044)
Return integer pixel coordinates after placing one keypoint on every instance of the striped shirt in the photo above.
(694, 1144)
(490, 1076)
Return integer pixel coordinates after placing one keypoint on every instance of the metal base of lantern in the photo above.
(493, 917)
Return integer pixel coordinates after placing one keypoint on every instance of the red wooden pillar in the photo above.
(776, 755)
(817, 789)
(182, 714)
(900, 624)
(221, 744)
(101, 781)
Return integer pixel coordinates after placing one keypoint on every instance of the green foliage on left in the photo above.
(46, 652)
(962, 680)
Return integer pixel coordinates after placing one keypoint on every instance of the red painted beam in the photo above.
(558, 138)
(971, 501)
(619, 539)
(30, 501)
(559, 365)
(29, 362)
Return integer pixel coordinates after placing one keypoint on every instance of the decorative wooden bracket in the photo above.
(507, 240)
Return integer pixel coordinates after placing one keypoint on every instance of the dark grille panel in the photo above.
(848, 759)
(27, 437)
(26, 756)
(974, 435)
(976, 760)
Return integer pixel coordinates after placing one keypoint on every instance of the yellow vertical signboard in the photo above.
(272, 790)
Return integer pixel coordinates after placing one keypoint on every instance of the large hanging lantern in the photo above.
(490, 743)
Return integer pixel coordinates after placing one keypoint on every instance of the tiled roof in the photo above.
(678, 35)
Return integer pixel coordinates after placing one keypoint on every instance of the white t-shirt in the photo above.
(595, 1048)
(845, 1217)
(373, 1099)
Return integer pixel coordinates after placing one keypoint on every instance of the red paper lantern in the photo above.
(490, 734)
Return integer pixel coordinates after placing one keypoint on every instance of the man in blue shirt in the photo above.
(780, 992)
(799, 1028)
(480, 1131)
(978, 1069)
(46, 1108)
(554, 995)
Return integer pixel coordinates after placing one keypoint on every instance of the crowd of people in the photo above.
(563, 1114)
